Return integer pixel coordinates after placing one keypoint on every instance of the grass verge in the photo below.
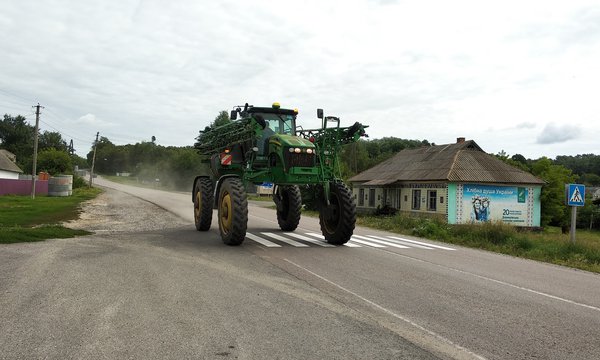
(549, 245)
(25, 219)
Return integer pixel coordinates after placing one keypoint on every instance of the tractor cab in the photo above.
(273, 121)
(280, 121)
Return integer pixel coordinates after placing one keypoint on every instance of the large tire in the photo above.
(291, 205)
(233, 211)
(203, 204)
(338, 221)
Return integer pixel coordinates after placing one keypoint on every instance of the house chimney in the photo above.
(460, 140)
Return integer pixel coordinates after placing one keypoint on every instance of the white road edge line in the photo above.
(400, 317)
(500, 282)
(526, 289)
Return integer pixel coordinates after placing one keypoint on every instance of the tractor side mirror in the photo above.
(320, 113)
(233, 115)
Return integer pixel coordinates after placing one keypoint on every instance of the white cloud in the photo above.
(553, 133)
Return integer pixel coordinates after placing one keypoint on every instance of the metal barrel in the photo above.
(60, 185)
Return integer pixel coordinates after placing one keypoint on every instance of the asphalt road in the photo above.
(148, 285)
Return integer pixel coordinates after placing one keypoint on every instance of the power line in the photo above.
(15, 95)
(62, 132)
(15, 104)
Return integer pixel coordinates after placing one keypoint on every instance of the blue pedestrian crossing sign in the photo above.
(576, 195)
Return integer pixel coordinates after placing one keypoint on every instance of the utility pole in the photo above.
(94, 159)
(35, 148)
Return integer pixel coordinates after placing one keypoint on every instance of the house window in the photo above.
(371, 197)
(416, 199)
(432, 200)
(361, 197)
(441, 199)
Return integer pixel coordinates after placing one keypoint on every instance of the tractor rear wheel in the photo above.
(233, 211)
(203, 204)
(289, 207)
(338, 219)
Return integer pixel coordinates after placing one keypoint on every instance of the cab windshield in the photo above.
(281, 123)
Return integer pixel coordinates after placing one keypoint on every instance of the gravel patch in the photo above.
(116, 212)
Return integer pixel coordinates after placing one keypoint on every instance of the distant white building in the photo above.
(8, 168)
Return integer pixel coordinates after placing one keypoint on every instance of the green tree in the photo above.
(16, 136)
(221, 119)
(554, 210)
(54, 162)
(79, 161)
(52, 140)
(364, 154)
(588, 216)
(590, 179)
(517, 160)
(581, 164)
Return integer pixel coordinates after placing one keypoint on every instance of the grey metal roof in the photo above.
(459, 162)
(6, 164)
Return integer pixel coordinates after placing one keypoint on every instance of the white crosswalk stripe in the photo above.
(357, 240)
(422, 243)
(401, 242)
(387, 243)
(270, 239)
(319, 236)
(261, 241)
(311, 240)
(284, 239)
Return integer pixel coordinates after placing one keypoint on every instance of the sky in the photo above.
(521, 77)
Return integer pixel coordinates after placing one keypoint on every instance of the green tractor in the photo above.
(266, 146)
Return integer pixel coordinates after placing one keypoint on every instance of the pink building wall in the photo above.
(22, 187)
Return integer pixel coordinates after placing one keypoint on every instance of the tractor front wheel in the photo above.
(337, 219)
(203, 204)
(289, 205)
(233, 211)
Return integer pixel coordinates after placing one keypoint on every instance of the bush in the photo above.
(432, 229)
(54, 161)
(79, 182)
(385, 211)
(494, 233)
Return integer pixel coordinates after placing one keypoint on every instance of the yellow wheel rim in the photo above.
(198, 205)
(226, 216)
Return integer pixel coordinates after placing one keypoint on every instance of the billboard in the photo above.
(508, 204)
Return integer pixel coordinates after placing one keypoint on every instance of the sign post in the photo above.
(575, 197)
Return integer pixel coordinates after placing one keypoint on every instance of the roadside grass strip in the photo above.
(23, 219)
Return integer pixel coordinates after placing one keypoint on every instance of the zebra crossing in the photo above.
(279, 239)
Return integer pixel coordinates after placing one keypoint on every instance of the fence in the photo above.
(22, 187)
